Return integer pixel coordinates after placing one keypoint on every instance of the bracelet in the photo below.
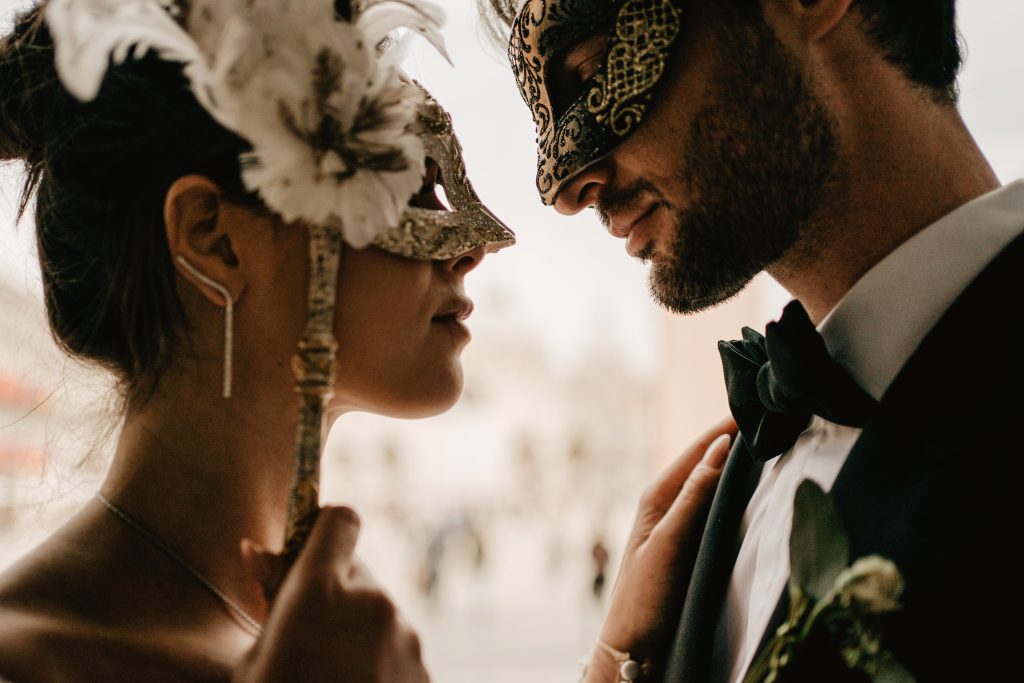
(628, 668)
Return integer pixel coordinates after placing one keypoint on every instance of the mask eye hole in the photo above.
(570, 72)
(431, 195)
(442, 196)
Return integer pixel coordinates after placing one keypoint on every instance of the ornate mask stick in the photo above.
(314, 367)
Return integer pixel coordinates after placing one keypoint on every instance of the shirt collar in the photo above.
(879, 323)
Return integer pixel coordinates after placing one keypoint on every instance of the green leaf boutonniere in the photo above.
(836, 608)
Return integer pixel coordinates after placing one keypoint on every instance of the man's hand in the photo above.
(328, 620)
(659, 555)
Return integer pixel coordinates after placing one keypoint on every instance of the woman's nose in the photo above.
(466, 261)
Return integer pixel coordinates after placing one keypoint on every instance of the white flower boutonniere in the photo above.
(834, 625)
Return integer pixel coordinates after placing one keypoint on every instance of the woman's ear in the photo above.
(199, 234)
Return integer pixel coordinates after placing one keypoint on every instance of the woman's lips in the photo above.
(452, 315)
(458, 307)
(452, 325)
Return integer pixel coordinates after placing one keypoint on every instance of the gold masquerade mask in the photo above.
(427, 234)
(641, 35)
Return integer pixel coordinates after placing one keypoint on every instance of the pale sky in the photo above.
(568, 280)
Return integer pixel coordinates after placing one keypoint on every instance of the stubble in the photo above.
(762, 160)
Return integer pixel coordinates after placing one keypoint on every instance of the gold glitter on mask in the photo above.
(432, 234)
(634, 63)
(641, 36)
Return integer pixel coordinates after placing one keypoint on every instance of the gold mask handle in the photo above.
(314, 367)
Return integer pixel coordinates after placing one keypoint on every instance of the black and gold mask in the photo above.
(570, 137)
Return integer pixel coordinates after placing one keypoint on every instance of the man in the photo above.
(820, 141)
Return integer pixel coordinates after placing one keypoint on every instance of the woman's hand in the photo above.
(328, 620)
(659, 555)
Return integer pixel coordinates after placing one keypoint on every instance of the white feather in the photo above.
(380, 18)
(254, 67)
(89, 34)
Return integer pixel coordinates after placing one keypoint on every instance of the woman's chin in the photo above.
(426, 397)
(429, 401)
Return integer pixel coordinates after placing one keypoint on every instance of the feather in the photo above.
(380, 18)
(89, 34)
(330, 121)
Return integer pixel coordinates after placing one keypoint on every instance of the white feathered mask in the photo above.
(331, 121)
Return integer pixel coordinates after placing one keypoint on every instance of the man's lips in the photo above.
(637, 238)
(622, 224)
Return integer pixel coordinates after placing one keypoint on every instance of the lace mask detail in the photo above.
(427, 234)
(614, 102)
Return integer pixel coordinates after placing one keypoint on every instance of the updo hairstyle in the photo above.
(99, 173)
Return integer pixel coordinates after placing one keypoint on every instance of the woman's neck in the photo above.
(202, 472)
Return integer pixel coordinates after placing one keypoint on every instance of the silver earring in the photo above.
(229, 323)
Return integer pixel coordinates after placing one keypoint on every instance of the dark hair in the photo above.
(921, 38)
(918, 36)
(99, 172)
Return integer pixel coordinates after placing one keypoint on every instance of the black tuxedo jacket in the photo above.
(933, 484)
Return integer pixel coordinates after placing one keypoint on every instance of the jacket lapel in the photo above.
(690, 657)
(882, 488)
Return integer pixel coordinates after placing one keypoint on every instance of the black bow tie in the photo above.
(778, 381)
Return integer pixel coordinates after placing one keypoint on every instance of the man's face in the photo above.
(727, 173)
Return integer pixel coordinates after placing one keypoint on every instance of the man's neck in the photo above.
(902, 176)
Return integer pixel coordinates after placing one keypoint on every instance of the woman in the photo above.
(175, 219)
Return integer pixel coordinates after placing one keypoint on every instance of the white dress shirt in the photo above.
(871, 332)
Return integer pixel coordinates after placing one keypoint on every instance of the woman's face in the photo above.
(398, 323)
(400, 331)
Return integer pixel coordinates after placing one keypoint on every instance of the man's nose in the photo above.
(583, 189)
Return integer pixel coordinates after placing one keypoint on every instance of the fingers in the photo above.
(329, 620)
(666, 488)
(332, 542)
(698, 490)
(268, 568)
(334, 536)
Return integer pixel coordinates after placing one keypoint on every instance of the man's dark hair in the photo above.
(918, 36)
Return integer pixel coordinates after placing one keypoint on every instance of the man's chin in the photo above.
(687, 295)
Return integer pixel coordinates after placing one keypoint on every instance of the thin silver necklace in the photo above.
(236, 611)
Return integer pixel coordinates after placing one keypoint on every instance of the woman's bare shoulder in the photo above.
(64, 618)
(39, 644)
(38, 632)
(34, 646)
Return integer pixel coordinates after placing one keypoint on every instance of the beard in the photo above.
(762, 158)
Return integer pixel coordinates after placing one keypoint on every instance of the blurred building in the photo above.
(691, 388)
(485, 521)
(23, 409)
(52, 426)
